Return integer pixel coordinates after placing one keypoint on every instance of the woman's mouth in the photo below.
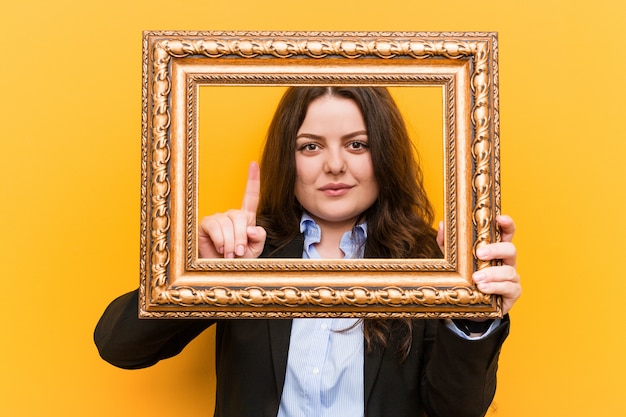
(335, 189)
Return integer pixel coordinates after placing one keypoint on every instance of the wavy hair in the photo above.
(399, 223)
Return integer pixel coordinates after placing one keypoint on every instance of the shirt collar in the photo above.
(352, 243)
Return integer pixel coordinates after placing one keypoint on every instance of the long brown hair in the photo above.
(398, 223)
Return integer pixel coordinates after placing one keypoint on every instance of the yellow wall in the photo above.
(70, 91)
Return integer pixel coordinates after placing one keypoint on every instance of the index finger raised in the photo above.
(251, 195)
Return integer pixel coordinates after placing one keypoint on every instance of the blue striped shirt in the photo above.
(325, 365)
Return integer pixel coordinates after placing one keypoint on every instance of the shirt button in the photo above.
(324, 326)
(316, 371)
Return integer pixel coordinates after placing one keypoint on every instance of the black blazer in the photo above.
(444, 375)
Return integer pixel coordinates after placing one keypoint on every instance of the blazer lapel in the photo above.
(280, 329)
(371, 365)
(293, 249)
(280, 332)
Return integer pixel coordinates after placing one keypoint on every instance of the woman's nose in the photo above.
(335, 162)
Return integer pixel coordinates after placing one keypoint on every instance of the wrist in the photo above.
(472, 327)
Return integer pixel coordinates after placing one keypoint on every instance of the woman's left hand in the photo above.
(503, 279)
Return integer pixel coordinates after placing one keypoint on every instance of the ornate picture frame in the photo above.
(176, 283)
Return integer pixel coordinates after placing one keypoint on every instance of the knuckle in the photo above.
(510, 272)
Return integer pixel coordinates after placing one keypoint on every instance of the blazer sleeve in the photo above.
(126, 341)
(460, 375)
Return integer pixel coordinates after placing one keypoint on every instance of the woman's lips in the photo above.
(335, 190)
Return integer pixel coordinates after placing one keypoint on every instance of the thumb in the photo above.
(441, 237)
(256, 240)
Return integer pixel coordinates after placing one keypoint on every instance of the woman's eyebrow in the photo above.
(355, 134)
(308, 136)
(348, 136)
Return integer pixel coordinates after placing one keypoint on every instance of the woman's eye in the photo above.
(309, 147)
(357, 145)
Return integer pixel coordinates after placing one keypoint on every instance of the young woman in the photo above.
(337, 180)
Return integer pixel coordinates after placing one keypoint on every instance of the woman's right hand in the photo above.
(234, 234)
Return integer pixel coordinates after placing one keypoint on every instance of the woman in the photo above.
(338, 181)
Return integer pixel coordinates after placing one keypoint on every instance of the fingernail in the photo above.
(221, 249)
(240, 250)
(251, 230)
(482, 253)
(479, 276)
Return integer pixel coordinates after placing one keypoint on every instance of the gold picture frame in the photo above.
(175, 283)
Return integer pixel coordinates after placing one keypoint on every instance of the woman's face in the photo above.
(334, 175)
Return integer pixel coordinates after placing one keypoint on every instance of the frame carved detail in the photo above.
(162, 294)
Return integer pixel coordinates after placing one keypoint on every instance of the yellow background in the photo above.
(70, 97)
(233, 122)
